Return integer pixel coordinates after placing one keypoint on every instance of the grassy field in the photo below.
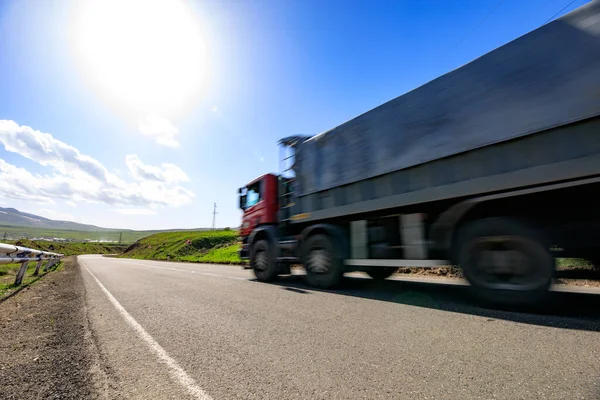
(9, 271)
(204, 246)
(127, 236)
(72, 248)
(19, 232)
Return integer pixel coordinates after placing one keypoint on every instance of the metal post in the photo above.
(49, 264)
(37, 267)
(21, 273)
(214, 217)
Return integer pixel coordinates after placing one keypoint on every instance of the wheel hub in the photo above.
(503, 262)
(318, 262)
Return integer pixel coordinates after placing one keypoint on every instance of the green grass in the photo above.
(221, 255)
(72, 248)
(127, 236)
(18, 232)
(206, 246)
(568, 263)
(8, 273)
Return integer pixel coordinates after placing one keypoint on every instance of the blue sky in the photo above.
(104, 122)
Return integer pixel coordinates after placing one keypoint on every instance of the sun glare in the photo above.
(144, 55)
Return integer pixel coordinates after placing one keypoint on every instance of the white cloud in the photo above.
(168, 173)
(53, 214)
(18, 183)
(71, 204)
(161, 129)
(134, 211)
(44, 149)
(81, 178)
(117, 171)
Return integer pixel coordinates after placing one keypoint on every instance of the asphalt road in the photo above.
(174, 330)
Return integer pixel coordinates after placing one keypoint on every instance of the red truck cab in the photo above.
(258, 201)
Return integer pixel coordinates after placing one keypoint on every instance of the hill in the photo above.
(16, 225)
(193, 246)
(14, 217)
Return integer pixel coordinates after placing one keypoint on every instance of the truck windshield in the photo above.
(253, 195)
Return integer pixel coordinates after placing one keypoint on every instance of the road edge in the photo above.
(47, 344)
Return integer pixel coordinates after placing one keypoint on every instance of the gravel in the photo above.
(46, 346)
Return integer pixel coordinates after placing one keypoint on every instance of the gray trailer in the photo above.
(494, 166)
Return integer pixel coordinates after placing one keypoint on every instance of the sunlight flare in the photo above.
(144, 56)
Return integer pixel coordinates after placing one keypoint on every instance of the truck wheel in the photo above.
(263, 265)
(323, 264)
(381, 273)
(505, 262)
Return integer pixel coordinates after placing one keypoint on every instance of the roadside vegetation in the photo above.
(203, 246)
(103, 235)
(221, 247)
(8, 273)
(72, 248)
(20, 232)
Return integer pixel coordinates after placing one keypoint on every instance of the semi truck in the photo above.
(493, 167)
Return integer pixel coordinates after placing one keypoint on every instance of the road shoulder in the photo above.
(46, 346)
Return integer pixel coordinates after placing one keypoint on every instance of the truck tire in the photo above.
(505, 262)
(381, 273)
(323, 263)
(262, 262)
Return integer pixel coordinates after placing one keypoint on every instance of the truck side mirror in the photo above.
(242, 202)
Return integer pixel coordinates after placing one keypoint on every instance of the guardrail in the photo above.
(10, 254)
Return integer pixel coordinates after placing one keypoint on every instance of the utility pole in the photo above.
(214, 216)
(4, 238)
(120, 237)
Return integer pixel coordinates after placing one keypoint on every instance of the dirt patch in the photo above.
(447, 272)
(566, 274)
(44, 340)
(583, 274)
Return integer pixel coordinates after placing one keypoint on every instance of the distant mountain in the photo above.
(14, 217)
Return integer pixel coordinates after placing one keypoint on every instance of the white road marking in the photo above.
(223, 276)
(237, 278)
(175, 370)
